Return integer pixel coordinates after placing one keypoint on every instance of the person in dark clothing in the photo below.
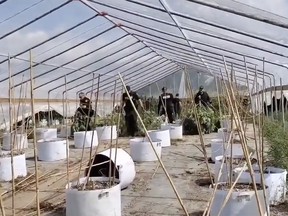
(177, 105)
(130, 114)
(85, 110)
(166, 102)
(202, 98)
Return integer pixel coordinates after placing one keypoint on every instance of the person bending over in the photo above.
(130, 114)
(166, 101)
(202, 98)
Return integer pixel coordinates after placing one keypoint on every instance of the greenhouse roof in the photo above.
(87, 42)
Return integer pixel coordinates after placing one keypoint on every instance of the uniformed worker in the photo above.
(202, 98)
(177, 106)
(85, 107)
(130, 114)
(166, 101)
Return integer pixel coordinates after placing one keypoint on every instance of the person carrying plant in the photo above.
(130, 114)
(165, 105)
(202, 98)
(177, 106)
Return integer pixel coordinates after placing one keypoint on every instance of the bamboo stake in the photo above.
(34, 131)
(163, 103)
(12, 138)
(95, 118)
(111, 140)
(255, 138)
(117, 138)
(218, 96)
(66, 124)
(242, 138)
(158, 157)
(199, 128)
(282, 104)
(86, 127)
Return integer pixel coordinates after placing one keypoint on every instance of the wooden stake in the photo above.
(66, 124)
(111, 140)
(34, 133)
(11, 135)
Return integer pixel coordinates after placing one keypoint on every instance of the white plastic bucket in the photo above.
(65, 130)
(20, 141)
(218, 149)
(125, 168)
(46, 133)
(80, 139)
(176, 130)
(240, 203)
(225, 172)
(163, 135)
(101, 202)
(275, 180)
(223, 134)
(19, 165)
(141, 149)
(104, 133)
(51, 150)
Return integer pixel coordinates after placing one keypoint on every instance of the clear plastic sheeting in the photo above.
(73, 43)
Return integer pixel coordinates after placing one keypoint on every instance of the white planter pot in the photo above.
(104, 133)
(65, 130)
(125, 167)
(101, 202)
(242, 203)
(224, 134)
(141, 150)
(176, 131)
(225, 172)
(19, 165)
(80, 139)
(163, 135)
(46, 133)
(218, 149)
(275, 180)
(51, 150)
(20, 141)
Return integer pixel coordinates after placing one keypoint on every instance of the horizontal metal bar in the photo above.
(202, 22)
(239, 13)
(129, 62)
(138, 81)
(148, 68)
(207, 45)
(60, 53)
(138, 76)
(34, 20)
(91, 63)
(52, 38)
(220, 62)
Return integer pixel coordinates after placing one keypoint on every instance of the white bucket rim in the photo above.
(81, 180)
(51, 140)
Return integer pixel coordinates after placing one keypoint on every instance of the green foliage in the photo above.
(277, 138)
(151, 120)
(208, 119)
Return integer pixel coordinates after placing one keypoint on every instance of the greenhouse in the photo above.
(143, 107)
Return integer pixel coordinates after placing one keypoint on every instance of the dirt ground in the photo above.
(149, 195)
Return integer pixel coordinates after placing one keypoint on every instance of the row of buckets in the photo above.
(53, 147)
(243, 203)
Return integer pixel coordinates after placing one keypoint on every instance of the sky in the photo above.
(16, 13)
